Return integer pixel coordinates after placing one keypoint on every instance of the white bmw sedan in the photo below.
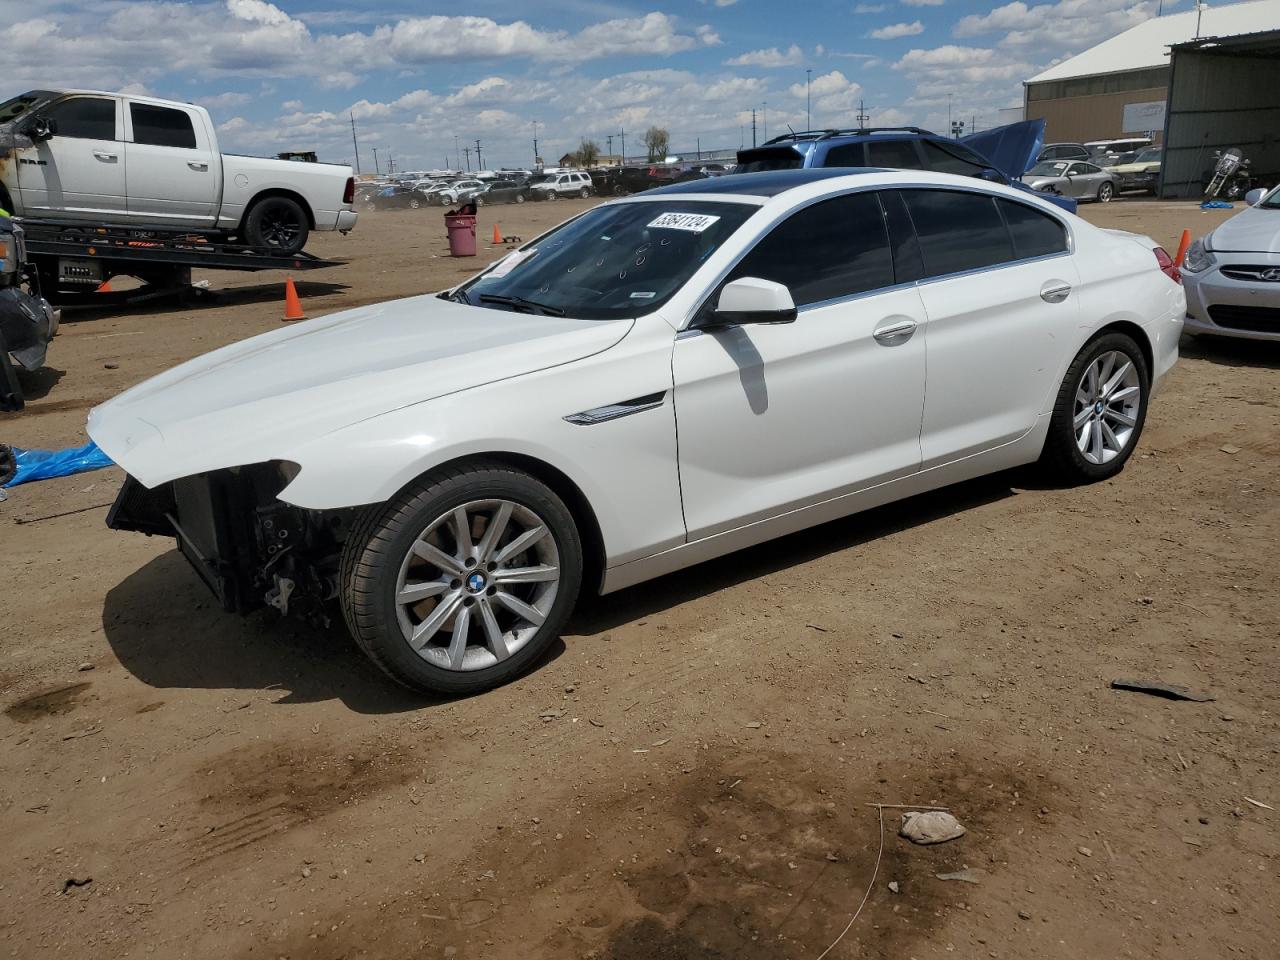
(660, 380)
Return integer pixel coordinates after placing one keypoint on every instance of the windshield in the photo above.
(1050, 168)
(1271, 201)
(1148, 156)
(612, 262)
(12, 109)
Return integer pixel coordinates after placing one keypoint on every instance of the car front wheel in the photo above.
(1105, 193)
(1100, 411)
(463, 581)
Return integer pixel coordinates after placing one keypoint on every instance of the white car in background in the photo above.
(663, 379)
(554, 185)
(1232, 275)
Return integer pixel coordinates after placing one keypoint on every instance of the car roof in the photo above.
(768, 183)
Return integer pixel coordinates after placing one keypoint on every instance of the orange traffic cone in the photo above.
(1182, 248)
(497, 235)
(292, 305)
(104, 286)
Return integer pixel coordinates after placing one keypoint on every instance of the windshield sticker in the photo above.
(509, 263)
(692, 222)
(643, 295)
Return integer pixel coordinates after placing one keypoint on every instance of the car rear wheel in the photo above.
(277, 224)
(1105, 193)
(585, 192)
(519, 198)
(463, 581)
(414, 203)
(1100, 411)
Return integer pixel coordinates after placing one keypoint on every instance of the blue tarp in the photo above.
(44, 464)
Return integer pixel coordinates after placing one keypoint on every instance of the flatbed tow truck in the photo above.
(73, 260)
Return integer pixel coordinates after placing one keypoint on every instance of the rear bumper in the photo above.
(346, 220)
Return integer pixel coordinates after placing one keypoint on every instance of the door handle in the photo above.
(896, 333)
(103, 155)
(197, 165)
(1055, 291)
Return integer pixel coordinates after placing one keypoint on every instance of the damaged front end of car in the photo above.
(249, 547)
(27, 321)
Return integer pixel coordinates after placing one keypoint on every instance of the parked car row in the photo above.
(516, 188)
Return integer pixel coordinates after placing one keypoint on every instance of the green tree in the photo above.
(588, 153)
(657, 139)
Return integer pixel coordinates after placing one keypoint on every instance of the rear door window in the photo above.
(1034, 234)
(896, 154)
(84, 118)
(835, 248)
(773, 158)
(958, 231)
(162, 126)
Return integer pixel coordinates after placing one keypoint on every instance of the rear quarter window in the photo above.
(1034, 234)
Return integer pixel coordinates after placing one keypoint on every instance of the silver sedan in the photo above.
(1072, 178)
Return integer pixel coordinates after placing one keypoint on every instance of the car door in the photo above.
(79, 172)
(772, 417)
(1078, 183)
(172, 177)
(998, 290)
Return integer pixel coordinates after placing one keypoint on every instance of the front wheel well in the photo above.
(279, 192)
(584, 516)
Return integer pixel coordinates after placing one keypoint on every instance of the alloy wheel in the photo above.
(477, 584)
(1105, 192)
(1108, 400)
(280, 228)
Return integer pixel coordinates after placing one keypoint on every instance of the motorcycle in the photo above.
(27, 321)
(1231, 176)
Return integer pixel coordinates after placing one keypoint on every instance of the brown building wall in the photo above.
(1090, 117)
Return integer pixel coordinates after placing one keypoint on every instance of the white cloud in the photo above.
(833, 93)
(871, 8)
(708, 36)
(719, 3)
(233, 126)
(772, 57)
(1056, 27)
(896, 31)
(223, 100)
(923, 3)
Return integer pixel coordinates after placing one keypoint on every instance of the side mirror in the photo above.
(753, 300)
(1254, 196)
(992, 175)
(41, 128)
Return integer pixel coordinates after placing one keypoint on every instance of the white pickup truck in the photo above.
(116, 158)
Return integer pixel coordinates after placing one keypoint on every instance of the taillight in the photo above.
(1167, 266)
(349, 194)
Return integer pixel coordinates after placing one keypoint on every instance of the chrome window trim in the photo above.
(958, 188)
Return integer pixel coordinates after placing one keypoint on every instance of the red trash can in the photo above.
(462, 234)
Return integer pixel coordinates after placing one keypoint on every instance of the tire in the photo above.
(414, 203)
(519, 198)
(277, 224)
(584, 192)
(1063, 457)
(1105, 192)
(619, 190)
(379, 559)
(478, 200)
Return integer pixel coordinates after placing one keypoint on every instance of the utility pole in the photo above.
(862, 117)
(808, 79)
(699, 148)
(609, 140)
(355, 145)
(391, 162)
(764, 119)
(376, 168)
(753, 126)
(467, 151)
(949, 111)
(457, 153)
(622, 132)
(535, 143)
(479, 159)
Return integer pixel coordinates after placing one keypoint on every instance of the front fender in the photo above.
(625, 467)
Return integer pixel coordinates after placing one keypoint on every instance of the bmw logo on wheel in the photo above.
(475, 583)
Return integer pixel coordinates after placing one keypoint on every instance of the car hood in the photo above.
(1012, 149)
(258, 399)
(1253, 230)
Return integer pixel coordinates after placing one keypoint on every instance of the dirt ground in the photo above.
(687, 776)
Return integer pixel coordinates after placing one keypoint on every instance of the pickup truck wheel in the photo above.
(461, 582)
(277, 224)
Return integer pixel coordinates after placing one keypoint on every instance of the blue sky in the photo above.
(288, 75)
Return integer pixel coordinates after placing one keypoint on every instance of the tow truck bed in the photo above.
(76, 258)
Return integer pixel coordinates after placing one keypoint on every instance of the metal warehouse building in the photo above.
(1121, 87)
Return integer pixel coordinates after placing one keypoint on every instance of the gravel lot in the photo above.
(688, 775)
